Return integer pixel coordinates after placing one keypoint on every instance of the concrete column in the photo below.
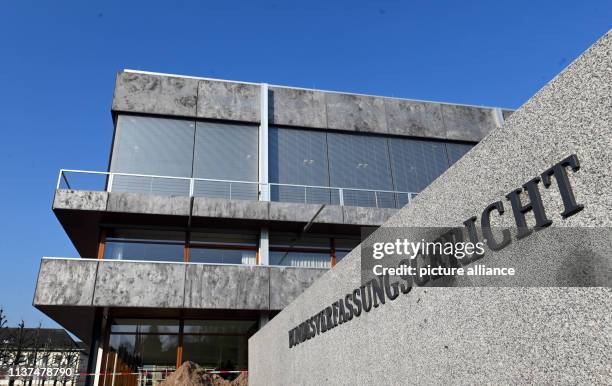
(263, 144)
(499, 117)
(264, 247)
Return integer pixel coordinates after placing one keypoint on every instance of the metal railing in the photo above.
(229, 189)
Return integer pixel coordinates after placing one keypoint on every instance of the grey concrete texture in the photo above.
(154, 94)
(80, 200)
(466, 336)
(217, 287)
(148, 204)
(113, 283)
(228, 100)
(287, 283)
(236, 101)
(66, 282)
(204, 207)
(297, 107)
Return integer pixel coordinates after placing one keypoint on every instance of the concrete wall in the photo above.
(113, 283)
(213, 99)
(480, 335)
(146, 204)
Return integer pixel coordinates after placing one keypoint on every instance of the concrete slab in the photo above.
(356, 215)
(155, 94)
(284, 211)
(80, 200)
(411, 118)
(149, 204)
(65, 282)
(356, 113)
(228, 100)
(297, 107)
(467, 123)
(227, 287)
(222, 208)
(139, 284)
(288, 283)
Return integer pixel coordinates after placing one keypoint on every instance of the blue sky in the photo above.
(59, 60)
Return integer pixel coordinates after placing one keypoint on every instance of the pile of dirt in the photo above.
(191, 374)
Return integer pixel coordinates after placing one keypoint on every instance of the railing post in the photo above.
(341, 194)
(230, 195)
(191, 183)
(376, 198)
(109, 188)
(305, 200)
(59, 179)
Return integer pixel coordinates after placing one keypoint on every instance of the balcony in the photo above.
(68, 289)
(230, 190)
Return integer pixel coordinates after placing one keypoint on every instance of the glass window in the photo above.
(226, 151)
(145, 347)
(298, 157)
(360, 162)
(312, 251)
(148, 245)
(456, 151)
(222, 256)
(301, 259)
(152, 146)
(218, 344)
(416, 163)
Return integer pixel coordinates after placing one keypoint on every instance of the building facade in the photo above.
(222, 202)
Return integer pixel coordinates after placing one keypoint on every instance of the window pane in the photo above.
(245, 327)
(301, 259)
(145, 325)
(221, 256)
(456, 151)
(226, 237)
(148, 251)
(219, 352)
(154, 146)
(360, 162)
(298, 157)
(416, 163)
(226, 151)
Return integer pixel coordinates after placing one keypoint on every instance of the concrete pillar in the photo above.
(263, 144)
(264, 247)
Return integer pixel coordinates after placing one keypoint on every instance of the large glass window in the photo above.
(456, 151)
(146, 348)
(415, 164)
(149, 245)
(226, 152)
(298, 157)
(300, 251)
(224, 247)
(152, 146)
(218, 344)
(360, 162)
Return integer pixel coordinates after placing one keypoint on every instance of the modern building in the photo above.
(41, 348)
(222, 202)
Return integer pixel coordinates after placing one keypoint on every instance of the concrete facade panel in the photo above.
(288, 283)
(80, 200)
(155, 94)
(283, 211)
(355, 215)
(65, 282)
(467, 123)
(551, 335)
(297, 107)
(149, 204)
(227, 287)
(411, 118)
(228, 100)
(222, 208)
(356, 113)
(139, 284)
